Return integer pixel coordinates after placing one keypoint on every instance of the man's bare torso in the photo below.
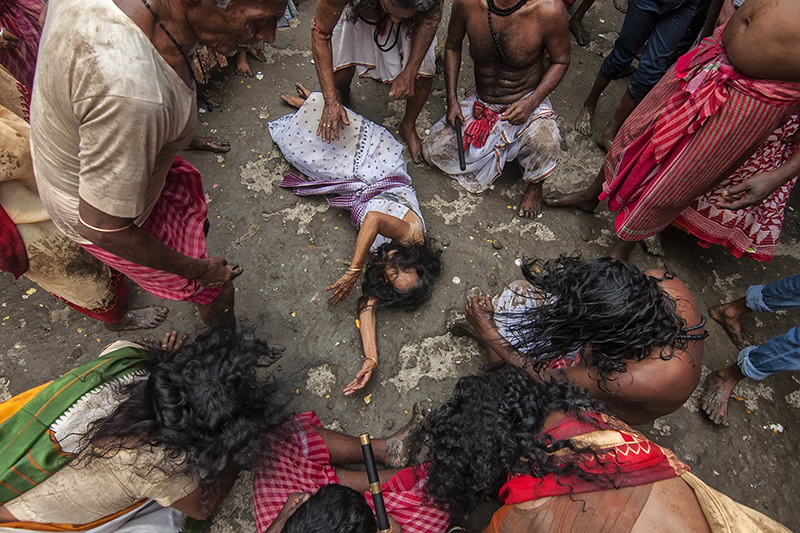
(762, 39)
(521, 37)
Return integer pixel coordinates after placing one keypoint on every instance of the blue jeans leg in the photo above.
(640, 19)
(780, 295)
(778, 354)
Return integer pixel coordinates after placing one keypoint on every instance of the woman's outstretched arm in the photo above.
(369, 343)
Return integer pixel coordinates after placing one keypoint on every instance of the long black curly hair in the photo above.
(424, 258)
(491, 426)
(203, 405)
(611, 306)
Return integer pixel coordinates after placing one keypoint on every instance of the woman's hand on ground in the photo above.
(8, 41)
(343, 286)
(333, 113)
(171, 342)
(480, 314)
(362, 377)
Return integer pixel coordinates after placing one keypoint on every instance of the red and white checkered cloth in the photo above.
(300, 463)
(177, 221)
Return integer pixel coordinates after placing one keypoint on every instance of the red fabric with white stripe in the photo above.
(177, 220)
(301, 463)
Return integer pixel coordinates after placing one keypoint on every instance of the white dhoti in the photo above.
(536, 144)
(353, 44)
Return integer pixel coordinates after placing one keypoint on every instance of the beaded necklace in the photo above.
(500, 12)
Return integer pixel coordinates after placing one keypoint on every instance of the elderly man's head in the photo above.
(229, 25)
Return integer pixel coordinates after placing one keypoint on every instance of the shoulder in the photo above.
(550, 10)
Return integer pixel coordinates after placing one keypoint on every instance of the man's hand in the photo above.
(403, 85)
(215, 271)
(293, 502)
(750, 192)
(480, 315)
(453, 111)
(8, 41)
(518, 112)
(362, 377)
(333, 113)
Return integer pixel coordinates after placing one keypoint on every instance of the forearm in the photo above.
(368, 329)
(141, 248)
(421, 41)
(495, 342)
(322, 51)
(788, 170)
(452, 67)
(552, 77)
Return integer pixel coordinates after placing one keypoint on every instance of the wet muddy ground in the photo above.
(292, 248)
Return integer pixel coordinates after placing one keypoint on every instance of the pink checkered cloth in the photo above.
(177, 221)
(301, 463)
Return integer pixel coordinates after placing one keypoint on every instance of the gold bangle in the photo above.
(351, 269)
(101, 230)
(373, 359)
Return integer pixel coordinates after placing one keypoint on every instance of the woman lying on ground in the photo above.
(558, 463)
(136, 440)
(304, 461)
(633, 339)
(363, 171)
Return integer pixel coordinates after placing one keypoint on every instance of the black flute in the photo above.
(374, 484)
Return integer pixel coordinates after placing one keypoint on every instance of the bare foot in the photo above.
(292, 100)
(719, 386)
(622, 250)
(258, 53)
(621, 5)
(531, 204)
(410, 136)
(584, 123)
(582, 200)
(398, 445)
(653, 245)
(210, 144)
(460, 328)
(581, 35)
(242, 65)
(213, 99)
(302, 92)
(171, 343)
(727, 315)
(605, 142)
(144, 318)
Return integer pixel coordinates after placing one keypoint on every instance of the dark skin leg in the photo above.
(342, 79)
(145, 318)
(408, 126)
(585, 200)
(584, 123)
(622, 249)
(728, 315)
(219, 313)
(242, 64)
(626, 107)
(531, 204)
(719, 387)
(576, 23)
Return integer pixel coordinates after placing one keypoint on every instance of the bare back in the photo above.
(762, 39)
(506, 74)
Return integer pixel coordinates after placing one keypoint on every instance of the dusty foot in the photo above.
(581, 35)
(653, 245)
(621, 5)
(719, 386)
(460, 328)
(398, 445)
(580, 199)
(242, 65)
(210, 144)
(292, 100)
(531, 204)
(605, 142)
(410, 136)
(212, 99)
(728, 317)
(144, 318)
(258, 53)
(171, 342)
(584, 123)
(622, 250)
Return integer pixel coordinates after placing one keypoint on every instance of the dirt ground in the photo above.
(292, 248)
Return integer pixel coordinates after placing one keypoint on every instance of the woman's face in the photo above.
(396, 12)
(403, 279)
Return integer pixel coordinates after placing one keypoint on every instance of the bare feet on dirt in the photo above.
(144, 318)
(727, 315)
(299, 99)
(210, 144)
(258, 53)
(719, 387)
(398, 446)
(172, 342)
(460, 328)
(579, 32)
(580, 200)
(242, 67)
(584, 122)
(621, 5)
(531, 204)
(414, 143)
(213, 100)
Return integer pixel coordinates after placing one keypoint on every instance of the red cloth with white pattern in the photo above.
(21, 17)
(478, 130)
(300, 462)
(177, 220)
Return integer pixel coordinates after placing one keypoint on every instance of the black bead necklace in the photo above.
(202, 90)
(500, 12)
